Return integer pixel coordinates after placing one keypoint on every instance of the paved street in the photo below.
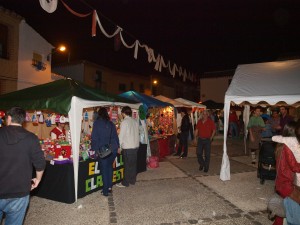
(176, 193)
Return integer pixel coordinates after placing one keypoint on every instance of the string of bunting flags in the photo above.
(160, 63)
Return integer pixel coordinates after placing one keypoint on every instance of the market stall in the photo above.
(70, 98)
(270, 83)
(196, 109)
(159, 123)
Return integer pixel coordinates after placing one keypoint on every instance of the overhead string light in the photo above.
(159, 60)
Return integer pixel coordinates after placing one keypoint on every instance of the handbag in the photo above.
(275, 204)
(105, 150)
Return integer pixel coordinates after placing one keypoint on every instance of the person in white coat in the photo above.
(129, 145)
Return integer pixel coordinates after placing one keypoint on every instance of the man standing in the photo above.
(233, 124)
(129, 145)
(205, 131)
(184, 135)
(284, 117)
(255, 126)
(19, 151)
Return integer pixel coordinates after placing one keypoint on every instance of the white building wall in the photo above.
(214, 88)
(31, 42)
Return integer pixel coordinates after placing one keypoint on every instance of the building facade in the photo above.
(117, 82)
(23, 54)
(213, 85)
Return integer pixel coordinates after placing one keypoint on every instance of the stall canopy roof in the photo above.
(270, 82)
(56, 96)
(148, 101)
(192, 104)
(171, 101)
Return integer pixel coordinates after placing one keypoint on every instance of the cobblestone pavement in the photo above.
(176, 193)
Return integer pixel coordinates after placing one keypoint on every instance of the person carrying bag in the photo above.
(105, 143)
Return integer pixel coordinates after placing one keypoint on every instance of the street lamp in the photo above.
(153, 83)
(61, 48)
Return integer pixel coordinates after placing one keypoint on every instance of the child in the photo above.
(267, 131)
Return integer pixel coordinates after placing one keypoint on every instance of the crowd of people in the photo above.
(22, 146)
(202, 135)
(285, 131)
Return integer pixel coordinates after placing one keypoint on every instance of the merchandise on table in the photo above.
(160, 122)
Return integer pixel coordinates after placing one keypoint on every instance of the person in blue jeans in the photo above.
(204, 133)
(20, 152)
(104, 132)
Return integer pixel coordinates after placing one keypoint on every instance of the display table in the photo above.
(58, 180)
(57, 183)
(162, 146)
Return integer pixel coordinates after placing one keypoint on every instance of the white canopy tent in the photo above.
(176, 104)
(65, 96)
(193, 105)
(172, 101)
(268, 83)
(190, 103)
(75, 117)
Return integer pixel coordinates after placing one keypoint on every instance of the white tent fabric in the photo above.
(75, 117)
(171, 101)
(190, 103)
(261, 83)
(193, 105)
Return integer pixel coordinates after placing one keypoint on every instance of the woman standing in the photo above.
(104, 132)
(286, 166)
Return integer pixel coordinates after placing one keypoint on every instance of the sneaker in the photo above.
(106, 195)
(182, 156)
(120, 185)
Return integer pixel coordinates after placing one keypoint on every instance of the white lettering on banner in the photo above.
(97, 171)
(93, 185)
(117, 163)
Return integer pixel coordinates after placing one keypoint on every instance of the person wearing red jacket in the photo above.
(286, 167)
(233, 124)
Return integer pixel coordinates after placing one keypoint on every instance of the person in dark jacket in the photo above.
(184, 134)
(20, 151)
(104, 132)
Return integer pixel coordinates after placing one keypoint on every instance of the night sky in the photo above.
(200, 35)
